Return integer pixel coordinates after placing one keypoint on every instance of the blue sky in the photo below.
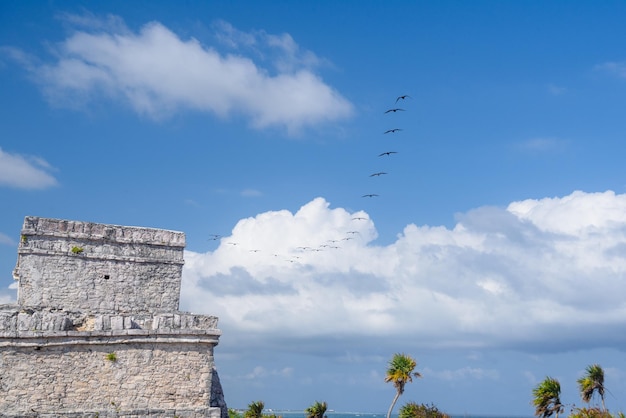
(494, 251)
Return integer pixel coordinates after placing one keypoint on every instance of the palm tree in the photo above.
(255, 410)
(317, 410)
(592, 382)
(400, 371)
(547, 398)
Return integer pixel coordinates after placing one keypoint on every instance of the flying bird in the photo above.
(370, 195)
(391, 131)
(380, 173)
(395, 110)
(406, 96)
(214, 237)
(387, 153)
(359, 219)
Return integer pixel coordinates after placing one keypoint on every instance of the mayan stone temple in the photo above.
(96, 330)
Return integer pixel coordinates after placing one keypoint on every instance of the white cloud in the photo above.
(280, 51)
(556, 90)
(543, 144)
(6, 299)
(251, 193)
(475, 373)
(5, 239)
(25, 172)
(500, 278)
(612, 67)
(530, 377)
(10, 295)
(157, 73)
(260, 372)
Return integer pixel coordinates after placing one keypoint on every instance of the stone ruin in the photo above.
(96, 331)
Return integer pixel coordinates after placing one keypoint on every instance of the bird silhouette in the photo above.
(380, 173)
(387, 153)
(358, 218)
(370, 195)
(390, 131)
(406, 96)
(395, 110)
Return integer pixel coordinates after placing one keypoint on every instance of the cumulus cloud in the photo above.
(8, 295)
(266, 78)
(6, 299)
(537, 275)
(25, 172)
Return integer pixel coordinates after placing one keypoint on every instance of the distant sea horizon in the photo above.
(292, 413)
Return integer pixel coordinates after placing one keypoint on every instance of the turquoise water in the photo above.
(302, 414)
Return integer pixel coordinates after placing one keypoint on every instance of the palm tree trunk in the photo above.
(393, 403)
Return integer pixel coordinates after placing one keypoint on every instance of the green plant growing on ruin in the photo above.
(23, 239)
(111, 357)
(117, 407)
(77, 250)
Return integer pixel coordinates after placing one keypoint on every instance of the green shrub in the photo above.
(232, 413)
(77, 250)
(111, 357)
(592, 412)
(255, 410)
(413, 410)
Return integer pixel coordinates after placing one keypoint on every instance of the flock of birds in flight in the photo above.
(388, 131)
(296, 254)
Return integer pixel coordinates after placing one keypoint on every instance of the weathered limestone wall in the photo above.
(81, 265)
(109, 374)
(97, 332)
